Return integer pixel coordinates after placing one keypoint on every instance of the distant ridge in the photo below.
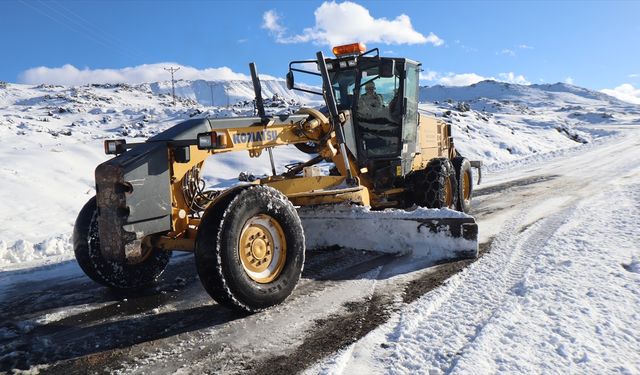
(531, 95)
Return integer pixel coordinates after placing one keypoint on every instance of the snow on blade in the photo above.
(425, 233)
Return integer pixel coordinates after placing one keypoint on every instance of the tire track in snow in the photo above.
(437, 328)
(455, 317)
(538, 234)
(548, 325)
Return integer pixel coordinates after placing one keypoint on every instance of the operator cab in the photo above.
(381, 96)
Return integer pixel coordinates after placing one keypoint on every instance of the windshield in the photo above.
(377, 111)
(343, 83)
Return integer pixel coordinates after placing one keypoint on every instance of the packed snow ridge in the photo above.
(53, 138)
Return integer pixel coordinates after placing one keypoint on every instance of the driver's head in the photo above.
(370, 87)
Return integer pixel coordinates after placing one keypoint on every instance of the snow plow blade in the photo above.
(437, 234)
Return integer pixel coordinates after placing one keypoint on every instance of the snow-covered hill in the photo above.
(223, 93)
(499, 122)
(547, 95)
(52, 141)
(52, 138)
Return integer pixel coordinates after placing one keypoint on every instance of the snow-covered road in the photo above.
(556, 290)
(559, 291)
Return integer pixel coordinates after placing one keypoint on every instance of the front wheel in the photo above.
(86, 246)
(250, 251)
(464, 178)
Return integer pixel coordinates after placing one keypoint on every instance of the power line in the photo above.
(211, 87)
(108, 37)
(173, 88)
(73, 25)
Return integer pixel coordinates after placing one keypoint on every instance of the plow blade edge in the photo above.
(439, 235)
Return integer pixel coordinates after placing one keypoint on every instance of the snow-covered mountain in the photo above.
(223, 93)
(547, 95)
(52, 138)
(499, 122)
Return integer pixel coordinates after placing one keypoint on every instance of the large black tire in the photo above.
(230, 226)
(464, 177)
(86, 245)
(435, 186)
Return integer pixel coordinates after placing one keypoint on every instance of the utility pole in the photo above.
(211, 87)
(173, 88)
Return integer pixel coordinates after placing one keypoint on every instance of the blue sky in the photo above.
(591, 44)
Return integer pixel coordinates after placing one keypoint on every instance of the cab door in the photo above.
(410, 114)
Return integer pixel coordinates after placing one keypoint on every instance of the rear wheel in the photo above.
(435, 186)
(250, 249)
(464, 178)
(132, 275)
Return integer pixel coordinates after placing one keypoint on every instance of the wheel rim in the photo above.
(448, 192)
(262, 248)
(466, 186)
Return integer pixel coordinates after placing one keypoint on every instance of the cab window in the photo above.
(378, 113)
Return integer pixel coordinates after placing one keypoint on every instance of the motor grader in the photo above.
(249, 240)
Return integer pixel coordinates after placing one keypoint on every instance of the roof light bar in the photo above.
(349, 49)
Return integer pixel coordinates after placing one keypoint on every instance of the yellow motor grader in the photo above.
(249, 240)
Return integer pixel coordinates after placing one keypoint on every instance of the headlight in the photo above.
(207, 141)
(115, 146)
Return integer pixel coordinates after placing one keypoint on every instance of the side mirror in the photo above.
(290, 80)
(387, 68)
(182, 154)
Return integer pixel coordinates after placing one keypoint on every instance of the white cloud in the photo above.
(434, 39)
(625, 92)
(464, 47)
(513, 78)
(70, 75)
(568, 80)
(349, 22)
(634, 75)
(271, 22)
(464, 79)
(524, 46)
(508, 52)
(429, 75)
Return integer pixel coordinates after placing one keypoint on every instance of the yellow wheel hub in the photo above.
(448, 192)
(262, 248)
(259, 249)
(466, 184)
